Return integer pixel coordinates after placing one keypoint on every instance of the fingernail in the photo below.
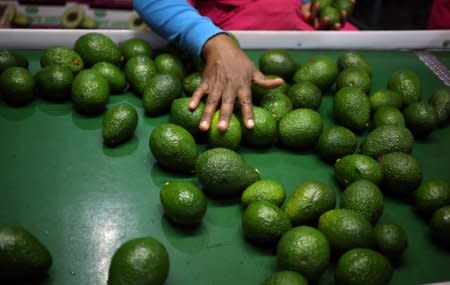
(222, 125)
(191, 105)
(250, 123)
(204, 125)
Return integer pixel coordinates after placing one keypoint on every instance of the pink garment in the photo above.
(256, 14)
(440, 15)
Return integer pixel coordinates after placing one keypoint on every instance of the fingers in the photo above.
(245, 99)
(261, 80)
(226, 109)
(337, 26)
(314, 10)
(323, 23)
(210, 108)
(197, 95)
(344, 16)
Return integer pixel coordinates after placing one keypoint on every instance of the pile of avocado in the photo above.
(305, 227)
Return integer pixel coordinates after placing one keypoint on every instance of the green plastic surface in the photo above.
(443, 57)
(83, 200)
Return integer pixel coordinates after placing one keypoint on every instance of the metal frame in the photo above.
(362, 40)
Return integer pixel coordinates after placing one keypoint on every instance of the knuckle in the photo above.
(212, 100)
(228, 100)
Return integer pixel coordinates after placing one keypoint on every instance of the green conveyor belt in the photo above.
(83, 199)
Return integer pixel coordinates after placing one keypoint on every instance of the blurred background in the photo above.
(118, 14)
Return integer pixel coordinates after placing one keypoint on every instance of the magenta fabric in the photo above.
(256, 14)
(440, 15)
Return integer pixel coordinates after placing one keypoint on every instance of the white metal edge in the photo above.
(361, 40)
(367, 40)
(44, 38)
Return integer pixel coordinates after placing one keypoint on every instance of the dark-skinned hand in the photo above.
(311, 15)
(228, 74)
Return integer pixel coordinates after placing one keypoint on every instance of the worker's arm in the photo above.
(228, 71)
(177, 22)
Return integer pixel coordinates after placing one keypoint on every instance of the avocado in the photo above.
(119, 124)
(351, 107)
(62, 56)
(115, 77)
(320, 70)
(139, 70)
(10, 58)
(22, 255)
(72, 17)
(90, 92)
(408, 84)
(96, 47)
(134, 47)
(160, 92)
(386, 139)
(332, 13)
(223, 173)
(174, 148)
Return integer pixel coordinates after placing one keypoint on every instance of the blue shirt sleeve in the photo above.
(177, 22)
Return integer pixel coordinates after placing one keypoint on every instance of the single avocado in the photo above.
(351, 107)
(54, 82)
(115, 77)
(264, 223)
(191, 83)
(174, 148)
(354, 167)
(90, 92)
(320, 70)
(223, 173)
(119, 124)
(385, 98)
(134, 47)
(142, 260)
(276, 103)
(139, 70)
(62, 56)
(353, 59)
(386, 139)
(278, 62)
(336, 142)
(17, 86)
(183, 202)
(10, 59)
(72, 17)
(354, 77)
(421, 119)
(181, 115)
(408, 84)
(160, 92)
(167, 63)
(440, 100)
(231, 138)
(332, 13)
(96, 47)
(22, 255)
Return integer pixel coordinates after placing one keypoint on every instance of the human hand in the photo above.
(311, 14)
(228, 73)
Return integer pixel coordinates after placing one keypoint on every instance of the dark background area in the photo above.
(391, 14)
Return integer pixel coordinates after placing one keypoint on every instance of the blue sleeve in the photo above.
(177, 22)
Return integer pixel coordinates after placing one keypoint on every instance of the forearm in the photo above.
(177, 22)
